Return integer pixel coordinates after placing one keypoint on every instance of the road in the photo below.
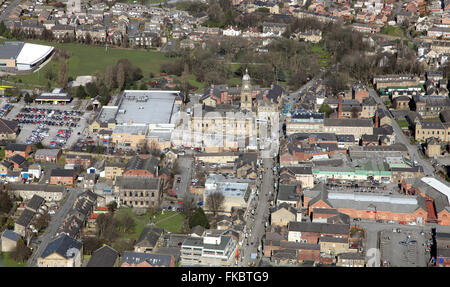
(401, 138)
(8, 10)
(55, 223)
(186, 166)
(261, 214)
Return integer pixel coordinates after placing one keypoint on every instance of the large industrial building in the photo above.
(23, 56)
(140, 117)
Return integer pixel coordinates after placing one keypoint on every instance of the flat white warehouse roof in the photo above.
(33, 53)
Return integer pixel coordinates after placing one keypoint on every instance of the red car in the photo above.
(402, 222)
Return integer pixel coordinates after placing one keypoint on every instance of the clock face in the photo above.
(246, 86)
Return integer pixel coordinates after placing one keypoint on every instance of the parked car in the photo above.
(402, 222)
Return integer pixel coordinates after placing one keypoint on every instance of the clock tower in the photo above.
(246, 93)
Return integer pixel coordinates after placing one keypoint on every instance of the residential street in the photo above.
(401, 138)
(54, 224)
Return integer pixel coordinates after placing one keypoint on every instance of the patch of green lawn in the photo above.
(392, 31)
(9, 262)
(403, 123)
(173, 224)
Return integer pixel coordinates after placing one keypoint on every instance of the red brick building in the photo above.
(81, 160)
(20, 149)
(62, 177)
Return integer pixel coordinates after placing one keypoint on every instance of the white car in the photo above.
(412, 223)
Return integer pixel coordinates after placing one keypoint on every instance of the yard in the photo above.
(9, 262)
(86, 60)
(403, 123)
(392, 31)
(171, 221)
(324, 56)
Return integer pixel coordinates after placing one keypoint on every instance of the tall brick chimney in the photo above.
(340, 107)
(377, 121)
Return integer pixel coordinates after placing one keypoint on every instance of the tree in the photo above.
(121, 76)
(324, 108)
(28, 99)
(188, 205)
(214, 202)
(122, 245)
(22, 252)
(5, 202)
(49, 75)
(90, 244)
(112, 206)
(109, 77)
(63, 73)
(91, 90)
(127, 222)
(106, 227)
(355, 112)
(199, 218)
(42, 221)
(39, 145)
(80, 93)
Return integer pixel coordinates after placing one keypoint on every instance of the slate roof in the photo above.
(8, 127)
(62, 172)
(35, 202)
(25, 218)
(319, 227)
(18, 159)
(153, 259)
(150, 164)
(149, 237)
(11, 235)
(137, 183)
(62, 245)
(288, 192)
(105, 256)
(16, 147)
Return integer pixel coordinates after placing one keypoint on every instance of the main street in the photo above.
(401, 138)
(55, 223)
(257, 223)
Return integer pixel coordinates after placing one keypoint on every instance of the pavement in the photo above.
(55, 223)
(401, 138)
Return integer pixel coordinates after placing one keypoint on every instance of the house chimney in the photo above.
(339, 116)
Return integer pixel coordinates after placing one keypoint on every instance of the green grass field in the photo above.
(86, 60)
(324, 56)
(141, 221)
(9, 262)
(174, 224)
(392, 31)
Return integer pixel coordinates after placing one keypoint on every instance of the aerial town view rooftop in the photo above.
(224, 133)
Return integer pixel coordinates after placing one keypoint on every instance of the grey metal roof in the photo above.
(10, 50)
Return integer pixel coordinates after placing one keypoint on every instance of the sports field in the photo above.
(86, 60)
